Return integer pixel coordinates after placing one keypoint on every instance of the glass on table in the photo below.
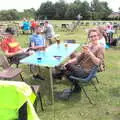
(58, 41)
(66, 44)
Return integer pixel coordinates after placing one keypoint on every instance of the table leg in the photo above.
(51, 86)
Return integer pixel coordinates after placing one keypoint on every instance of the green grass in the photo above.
(107, 99)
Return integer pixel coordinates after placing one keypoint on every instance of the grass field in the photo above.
(107, 99)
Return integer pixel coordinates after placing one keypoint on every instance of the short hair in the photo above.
(37, 29)
(94, 30)
(46, 21)
(10, 30)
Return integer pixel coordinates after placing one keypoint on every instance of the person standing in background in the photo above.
(25, 26)
(33, 25)
(49, 32)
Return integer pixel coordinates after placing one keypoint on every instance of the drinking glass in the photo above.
(58, 41)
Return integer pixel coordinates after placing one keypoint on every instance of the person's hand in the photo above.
(85, 48)
(31, 52)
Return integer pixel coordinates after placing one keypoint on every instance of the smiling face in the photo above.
(94, 36)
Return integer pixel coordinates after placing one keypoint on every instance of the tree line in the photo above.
(61, 10)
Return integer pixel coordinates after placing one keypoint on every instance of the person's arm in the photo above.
(98, 58)
(74, 60)
(9, 54)
(95, 59)
(5, 49)
(45, 29)
(35, 47)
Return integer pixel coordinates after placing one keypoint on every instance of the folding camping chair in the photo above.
(86, 81)
(8, 72)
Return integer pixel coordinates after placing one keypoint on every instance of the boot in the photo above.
(76, 89)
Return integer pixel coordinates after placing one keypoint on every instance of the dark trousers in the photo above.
(74, 70)
(110, 37)
(16, 58)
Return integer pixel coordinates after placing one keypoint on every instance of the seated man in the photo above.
(81, 65)
(12, 48)
(37, 42)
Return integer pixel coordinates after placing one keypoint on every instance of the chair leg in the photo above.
(94, 85)
(40, 98)
(97, 79)
(31, 67)
(21, 77)
(22, 113)
(35, 104)
(39, 69)
(86, 95)
(17, 65)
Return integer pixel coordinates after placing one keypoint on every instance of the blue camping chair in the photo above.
(86, 81)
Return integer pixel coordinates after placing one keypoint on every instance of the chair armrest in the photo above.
(79, 79)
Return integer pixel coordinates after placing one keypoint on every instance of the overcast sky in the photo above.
(20, 5)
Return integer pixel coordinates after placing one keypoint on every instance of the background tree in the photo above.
(85, 10)
(11, 14)
(60, 9)
(29, 13)
(100, 10)
(46, 10)
(73, 10)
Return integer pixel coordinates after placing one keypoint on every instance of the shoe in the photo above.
(38, 77)
(76, 89)
(57, 75)
(65, 95)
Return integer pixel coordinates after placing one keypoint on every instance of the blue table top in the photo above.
(53, 56)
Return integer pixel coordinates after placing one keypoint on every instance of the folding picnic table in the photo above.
(53, 56)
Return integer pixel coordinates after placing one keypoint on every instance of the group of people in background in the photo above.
(108, 35)
(46, 29)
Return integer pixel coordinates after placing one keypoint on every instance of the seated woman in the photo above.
(102, 40)
(81, 65)
(12, 48)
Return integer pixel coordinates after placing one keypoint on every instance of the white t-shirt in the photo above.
(102, 42)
